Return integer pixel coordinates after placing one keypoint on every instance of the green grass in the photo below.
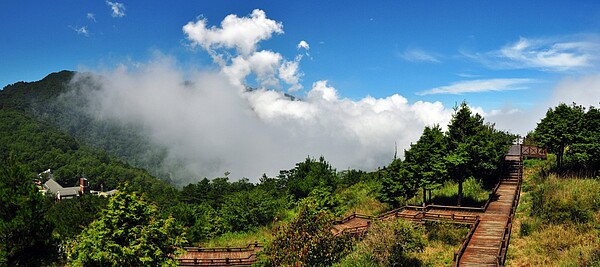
(360, 198)
(441, 241)
(557, 222)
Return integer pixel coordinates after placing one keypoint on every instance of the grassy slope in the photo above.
(557, 222)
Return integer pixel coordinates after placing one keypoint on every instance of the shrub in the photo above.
(306, 240)
(447, 233)
(391, 243)
(566, 200)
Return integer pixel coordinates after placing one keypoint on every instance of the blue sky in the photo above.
(373, 73)
(362, 48)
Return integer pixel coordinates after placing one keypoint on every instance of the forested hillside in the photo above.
(54, 101)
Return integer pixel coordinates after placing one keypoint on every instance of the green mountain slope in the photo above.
(55, 102)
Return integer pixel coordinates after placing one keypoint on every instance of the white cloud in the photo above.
(243, 33)
(303, 45)
(118, 9)
(290, 74)
(91, 17)
(211, 126)
(581, 90)
(477, 86)
(558, 54)
(418, 55)
(81, 30)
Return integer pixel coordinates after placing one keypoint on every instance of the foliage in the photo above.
(40, 146)
(392, 243)
(559, 201)
(424, 161)
(307, 240)
(448, 233)
(245, 210)
(395, 186)
(474, 149)
(202, 222)
(72, 216)
(308, 175)
(25, 238)
(559, 129)
(213, 192)
(360, 198)
(557, 221)
(474, 194)
(586, 149)
(128, 234)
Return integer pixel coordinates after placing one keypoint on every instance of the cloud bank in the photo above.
(206, 121)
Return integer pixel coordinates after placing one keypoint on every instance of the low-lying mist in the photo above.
(214, 126)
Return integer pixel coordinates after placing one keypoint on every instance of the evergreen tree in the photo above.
(424, 161)
(25, 238)
(586, 150)
(559, 129)
(462, 146)
(309, 175)
(396, 187)
(128, 234)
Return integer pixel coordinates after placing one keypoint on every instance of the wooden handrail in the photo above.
(463, 246)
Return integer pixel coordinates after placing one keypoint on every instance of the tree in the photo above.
(462, 146)
(128, 234)
(245, 210)
(71, 217)
(586, 149)
(307, 240)
(424, 161)
(559, 129)
(201, 221)
(395, 185)
(25, 238)
(309, 175)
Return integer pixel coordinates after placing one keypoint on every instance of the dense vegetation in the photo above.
(64, 105)
(573, 134)
(558, 219)
(469, 149)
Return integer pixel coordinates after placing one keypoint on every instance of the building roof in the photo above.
(52, 186)
(55, 188)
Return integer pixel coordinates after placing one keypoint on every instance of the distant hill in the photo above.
(53, 101)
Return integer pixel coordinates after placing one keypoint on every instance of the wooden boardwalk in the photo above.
(489, 243)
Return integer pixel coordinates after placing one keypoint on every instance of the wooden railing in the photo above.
(501, 258)
(352, 216)
(224, 261)
(529, 151)
(468, 219)
(247, 261)
(250, 247)
(463, 246)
